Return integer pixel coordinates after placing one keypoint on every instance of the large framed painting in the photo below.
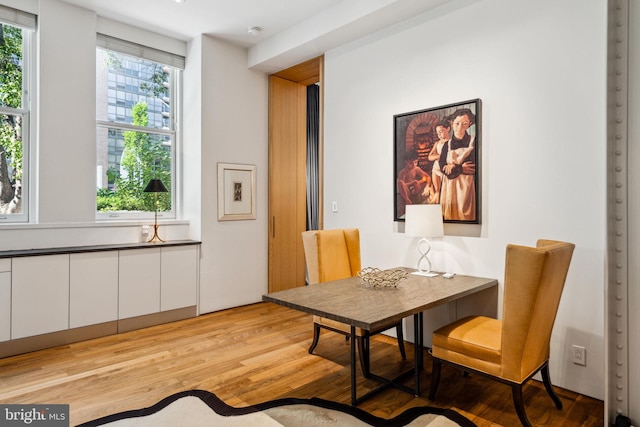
(436, 160)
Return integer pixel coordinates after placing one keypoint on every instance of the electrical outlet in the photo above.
(144, 230)
(579, 355)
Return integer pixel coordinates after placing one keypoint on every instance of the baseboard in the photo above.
(68, 336)
(139, 322)
(54, 339)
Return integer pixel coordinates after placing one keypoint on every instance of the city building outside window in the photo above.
(137, 108)
(16, 86)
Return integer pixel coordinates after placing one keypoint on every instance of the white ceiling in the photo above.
(228, 19)
(292, 30)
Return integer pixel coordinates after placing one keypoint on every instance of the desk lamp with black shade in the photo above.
(155, 186)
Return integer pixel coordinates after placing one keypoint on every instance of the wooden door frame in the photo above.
(304, 74)
(308, 73)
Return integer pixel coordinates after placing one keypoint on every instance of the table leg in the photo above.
(418, 364)
(353, 366)
(421, 341)
(417, 350)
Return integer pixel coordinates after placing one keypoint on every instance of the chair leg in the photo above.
(435, 378)
(516, 391)
(547, 385)
(316, 336)
(400, 336)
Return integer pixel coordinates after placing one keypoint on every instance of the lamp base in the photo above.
(424, 247)
(425, 273)
(155, 238)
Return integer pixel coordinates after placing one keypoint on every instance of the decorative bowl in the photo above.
(377, 278)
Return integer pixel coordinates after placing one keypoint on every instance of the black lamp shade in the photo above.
(155, 186)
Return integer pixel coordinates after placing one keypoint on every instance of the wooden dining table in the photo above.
(353, 302)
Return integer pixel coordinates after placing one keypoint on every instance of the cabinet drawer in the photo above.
(179, 277)
(39, 295)
(5, 306)
(5, 264)
(139, 282)
(93, 288)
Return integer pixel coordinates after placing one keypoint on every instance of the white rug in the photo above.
(199, 408)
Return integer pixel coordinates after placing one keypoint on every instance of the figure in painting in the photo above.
(443, 130)
(414, 184)
(458, 164)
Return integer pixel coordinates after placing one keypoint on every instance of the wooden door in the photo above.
(287, 183)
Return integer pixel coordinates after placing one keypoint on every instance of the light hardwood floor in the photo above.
(251, 354)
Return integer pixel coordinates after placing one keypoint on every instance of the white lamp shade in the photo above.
(423, 221)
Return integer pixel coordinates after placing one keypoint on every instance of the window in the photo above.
(16, 38)
(137, 108)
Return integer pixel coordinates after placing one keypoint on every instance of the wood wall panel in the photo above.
(287, 183)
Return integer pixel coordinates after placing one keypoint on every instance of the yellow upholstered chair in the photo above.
(514, 349)
(333, 255)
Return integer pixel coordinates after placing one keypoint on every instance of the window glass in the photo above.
(136, 134)
(14, 120)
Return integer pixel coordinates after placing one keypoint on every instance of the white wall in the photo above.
(66, 127)
(233, 270)
(539, 69)
(192, 117)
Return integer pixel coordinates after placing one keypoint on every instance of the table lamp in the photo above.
(155, 186)
(424, 221)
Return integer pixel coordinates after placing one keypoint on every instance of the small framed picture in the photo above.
(437, 160)
(236, 192)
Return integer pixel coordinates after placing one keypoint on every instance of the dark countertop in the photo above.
(94, 248)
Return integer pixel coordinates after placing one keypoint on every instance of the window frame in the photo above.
(176, 65)
(27, 23)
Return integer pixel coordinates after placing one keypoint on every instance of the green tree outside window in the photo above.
(145, 154)
(11, 149)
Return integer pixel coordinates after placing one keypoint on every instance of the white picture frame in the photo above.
(236, 192)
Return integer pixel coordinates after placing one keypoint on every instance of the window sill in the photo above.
(97, 224)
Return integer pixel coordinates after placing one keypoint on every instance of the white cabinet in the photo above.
(179, 277)
(93, 288)
(139, 279)
(39, 295)
(157, 279)
(5, 299)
